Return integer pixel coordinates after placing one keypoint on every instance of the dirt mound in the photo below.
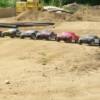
(86, 14)
(72, 8)
(42, 16)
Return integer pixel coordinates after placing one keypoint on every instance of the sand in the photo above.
(44, 70)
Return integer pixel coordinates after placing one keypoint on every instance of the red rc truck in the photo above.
(68, 37)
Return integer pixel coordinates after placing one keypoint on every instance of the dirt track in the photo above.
(44, 70)
(85, 27)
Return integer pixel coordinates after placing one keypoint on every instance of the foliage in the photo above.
(64, 2)
(7, 3)
(11, 3)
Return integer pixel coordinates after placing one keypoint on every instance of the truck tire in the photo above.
(22, 37)
(80, 42)
(58, 39)
(12, 36)
(33, 36)
(2, 35)
(91, 43)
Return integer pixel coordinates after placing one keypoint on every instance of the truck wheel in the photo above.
(74, 41)
(67, 41)
(33, 36)
(58, 40)
(2, 35)
(80, 42)
(12, 36)
(49, 38)
(22, 37)
(99, 44)
(91, 43)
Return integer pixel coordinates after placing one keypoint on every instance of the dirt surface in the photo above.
(81, 28)
(44, 70)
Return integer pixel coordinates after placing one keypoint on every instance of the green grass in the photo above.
(7, 3)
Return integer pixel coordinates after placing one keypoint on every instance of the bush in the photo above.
(7, 3)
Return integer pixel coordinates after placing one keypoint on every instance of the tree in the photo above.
(7, 3)
(64, 2)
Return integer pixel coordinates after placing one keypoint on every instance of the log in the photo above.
(25, 24)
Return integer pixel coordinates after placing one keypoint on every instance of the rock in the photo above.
(52, 8)
(7, 82)
(44, 75)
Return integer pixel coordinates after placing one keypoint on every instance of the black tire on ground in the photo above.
(38, 38)
(22, 37)
(33, 36)
(91, 43)
(58, 40)
(2, 35)
(49, 38)
(99, 42)
(67, 40)
(76, 41)
(52, 38)
(12, 36)
(80, 42)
